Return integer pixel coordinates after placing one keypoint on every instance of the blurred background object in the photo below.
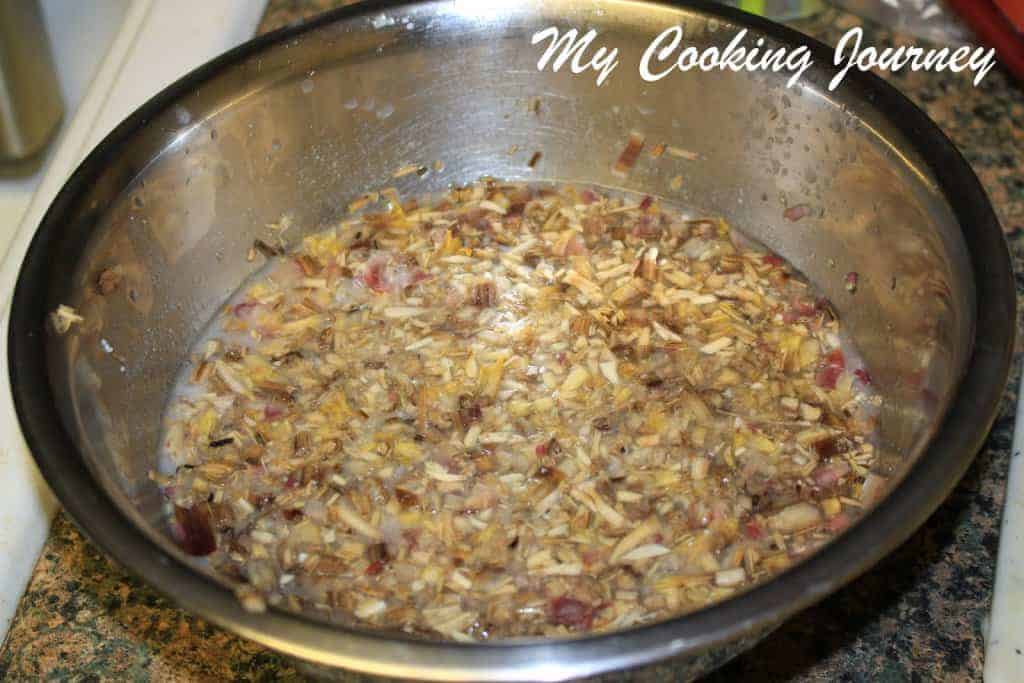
(1014, 11)
(30, 101)
(778, 10)
(997, 23)
(928, 19)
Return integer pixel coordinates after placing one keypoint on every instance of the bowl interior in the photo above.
(304, 126)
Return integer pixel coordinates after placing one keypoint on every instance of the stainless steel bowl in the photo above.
(302, 121)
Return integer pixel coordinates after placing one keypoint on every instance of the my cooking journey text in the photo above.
(667, 54)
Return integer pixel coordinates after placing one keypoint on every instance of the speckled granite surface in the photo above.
(917, 617)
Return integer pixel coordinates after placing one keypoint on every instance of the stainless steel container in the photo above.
(304, 120)
(30, 102)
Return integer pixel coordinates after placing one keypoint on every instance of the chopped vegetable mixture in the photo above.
(516, 410)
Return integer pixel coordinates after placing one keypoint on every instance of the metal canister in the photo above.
(30, 101)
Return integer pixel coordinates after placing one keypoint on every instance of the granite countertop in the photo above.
(919, 615)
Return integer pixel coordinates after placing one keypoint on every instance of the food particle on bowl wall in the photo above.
(851, 280)
(682, 153)
(63, 317)
(629, 155)
(516, 409)
(795, 213)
